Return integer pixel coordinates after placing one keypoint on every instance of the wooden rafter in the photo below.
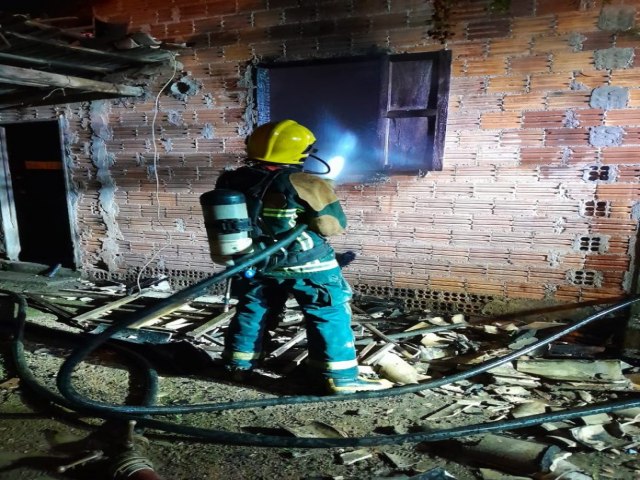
(52, 62)
(38, 78)
(43, 64)
(51, 98)
(122, 57)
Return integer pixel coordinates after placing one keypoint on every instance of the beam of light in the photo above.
(337, 151)
(337, 164)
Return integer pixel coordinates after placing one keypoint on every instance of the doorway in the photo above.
(35, 187)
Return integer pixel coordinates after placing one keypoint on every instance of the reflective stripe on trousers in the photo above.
(324, 300)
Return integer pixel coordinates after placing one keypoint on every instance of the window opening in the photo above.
(381, 114)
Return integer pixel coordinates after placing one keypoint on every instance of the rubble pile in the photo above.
(409, 347)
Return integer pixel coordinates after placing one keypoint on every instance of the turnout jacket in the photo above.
(290, 197)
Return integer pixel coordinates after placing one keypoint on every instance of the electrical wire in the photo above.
(155, 172)
(153, 132)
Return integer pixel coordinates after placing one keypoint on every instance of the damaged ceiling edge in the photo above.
(43, 65)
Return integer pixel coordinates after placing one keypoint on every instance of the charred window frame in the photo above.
(388, 111)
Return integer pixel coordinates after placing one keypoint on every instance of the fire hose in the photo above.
(72, 399)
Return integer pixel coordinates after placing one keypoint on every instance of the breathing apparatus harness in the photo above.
(235, 227)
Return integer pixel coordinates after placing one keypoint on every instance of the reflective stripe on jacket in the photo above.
(293, 197)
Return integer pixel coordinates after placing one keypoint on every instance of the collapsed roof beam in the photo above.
(52, 62)
(128, 59)
(62, 32)
(38, 78)
(32, 100)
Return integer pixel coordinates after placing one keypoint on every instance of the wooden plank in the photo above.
(64, 315)
(211, 324)
(595, 371)
(122, 59)
(415, 333)
(49, 306)
(295, 362)
(49, 62)
(426, 112)
(53, 98)
(382, 336)
(373, 358)
(41, 25)
(38, 78)
(297, 338)
(370, 346)
(98, 311)
(8, 215)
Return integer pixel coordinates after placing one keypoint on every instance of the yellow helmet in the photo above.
(280, 142)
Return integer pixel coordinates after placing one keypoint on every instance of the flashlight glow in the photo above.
(337, 164)
(336, 147)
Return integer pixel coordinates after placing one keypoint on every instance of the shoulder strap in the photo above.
(257, 192)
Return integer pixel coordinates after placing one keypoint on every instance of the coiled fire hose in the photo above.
(71, 398)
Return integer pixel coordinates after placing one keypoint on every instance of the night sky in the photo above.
(48, 8)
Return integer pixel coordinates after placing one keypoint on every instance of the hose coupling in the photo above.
(132, 466)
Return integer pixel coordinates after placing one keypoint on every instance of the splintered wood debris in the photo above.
(409, 347)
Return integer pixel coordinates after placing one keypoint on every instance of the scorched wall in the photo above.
(538, 197)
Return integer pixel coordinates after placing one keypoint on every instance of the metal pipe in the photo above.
(81, 461)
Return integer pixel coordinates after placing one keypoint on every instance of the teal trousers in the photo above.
(324, 299)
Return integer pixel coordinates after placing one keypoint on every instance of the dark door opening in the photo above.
(34, 155)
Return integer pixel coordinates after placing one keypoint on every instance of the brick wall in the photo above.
(537, 199)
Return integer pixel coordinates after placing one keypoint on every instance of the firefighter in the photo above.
(273, 183)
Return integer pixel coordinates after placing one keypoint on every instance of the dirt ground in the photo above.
(36, 438)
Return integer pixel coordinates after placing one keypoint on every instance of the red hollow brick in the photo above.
(490, 28)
